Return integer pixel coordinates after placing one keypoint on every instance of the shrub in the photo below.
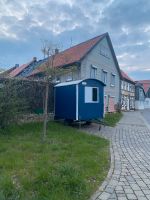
(11, 102)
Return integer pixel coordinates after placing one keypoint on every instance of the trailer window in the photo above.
(91, 95)
(94, 94)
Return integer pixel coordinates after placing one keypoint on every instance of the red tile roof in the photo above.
(72, 55)
(145, 84)
(7, 72)
(125, 76)
(19, 69)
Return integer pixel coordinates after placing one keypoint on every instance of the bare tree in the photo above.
(50, 51)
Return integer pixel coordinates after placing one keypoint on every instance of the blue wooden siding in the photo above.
(88, 111)
(70, 102)
(65, 102)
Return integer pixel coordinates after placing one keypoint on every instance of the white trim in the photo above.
(113, 74)
(69, 79)
(104, 70)
(94, 66)
(57, 81)
(112, 85)
(77, 102)
(111, 96)
(69, 83)
(91, 101)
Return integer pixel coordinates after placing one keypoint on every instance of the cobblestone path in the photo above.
(129, 176)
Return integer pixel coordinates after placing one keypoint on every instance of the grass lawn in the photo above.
(69, 166)
(111, 119)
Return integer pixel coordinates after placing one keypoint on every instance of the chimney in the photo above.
(56, 51)
(16, 65)
(34, 59)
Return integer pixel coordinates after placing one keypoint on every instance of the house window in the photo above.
(128, 87)
(93, 73)
(122, 84)
(132, 88)
(104, 76)
(112, 80)
(94, 94)
(91, 95)
(69, 76)
(57, 80)
(140, 93)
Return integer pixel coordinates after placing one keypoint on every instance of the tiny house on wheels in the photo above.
(81, 100)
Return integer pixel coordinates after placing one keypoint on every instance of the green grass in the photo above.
(69, 166)
(111, 119)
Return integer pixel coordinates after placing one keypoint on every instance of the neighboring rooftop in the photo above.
(125, 76)
(145, 84)
(68, 57)
(73, 54)
(19, 69)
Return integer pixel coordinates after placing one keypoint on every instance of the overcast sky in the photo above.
(25, 23)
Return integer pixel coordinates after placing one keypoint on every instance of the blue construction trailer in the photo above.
(81, 100)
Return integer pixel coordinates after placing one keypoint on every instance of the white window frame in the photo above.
(57, 79)
(128, 87)
(122, 84)
(69, 76)
(93, 67)
(103, 77)
(114, 76)
(88, 95)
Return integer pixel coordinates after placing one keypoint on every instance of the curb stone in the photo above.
(101, 192)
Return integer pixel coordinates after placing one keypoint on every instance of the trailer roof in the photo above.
(69, 83)
(77, 82)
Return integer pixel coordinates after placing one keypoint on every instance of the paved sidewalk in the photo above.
(146, 114)
(129, 176)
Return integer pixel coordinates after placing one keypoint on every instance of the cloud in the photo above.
(24, 23)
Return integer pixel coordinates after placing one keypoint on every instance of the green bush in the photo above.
(11, 102)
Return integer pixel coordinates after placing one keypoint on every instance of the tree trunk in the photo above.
(45, 112)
